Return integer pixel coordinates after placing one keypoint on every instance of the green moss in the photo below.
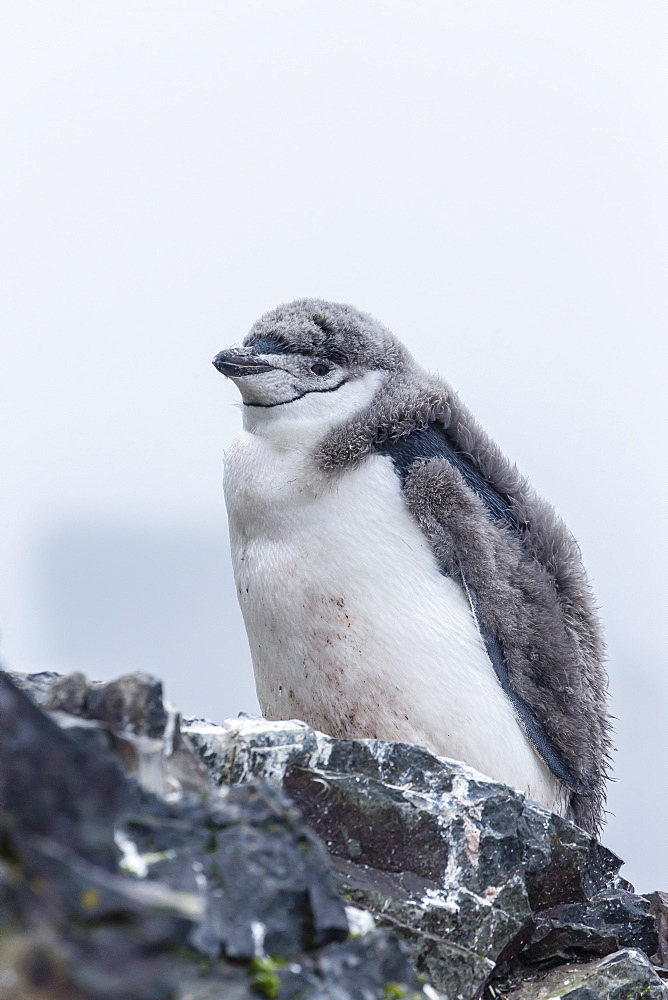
(264, 976)
(394, 991)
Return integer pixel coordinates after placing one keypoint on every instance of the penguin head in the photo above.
(312, 358)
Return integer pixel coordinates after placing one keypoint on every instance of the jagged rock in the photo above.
(658, 907)
(611, 920)
(52, 787)
(625, 975)
(37, 686)
(132, 840)
(108, 890)
(130, 703)
(455, 863)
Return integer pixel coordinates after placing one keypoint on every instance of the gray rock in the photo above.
(202, 860)
(624, 975)
(37, 686)
(658, 907)
(110, 890)
(130, 703)
(611, 920)
(52, 787)
(456, 864)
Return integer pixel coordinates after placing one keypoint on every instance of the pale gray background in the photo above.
(487, 178)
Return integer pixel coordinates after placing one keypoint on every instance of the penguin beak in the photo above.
(237, 363)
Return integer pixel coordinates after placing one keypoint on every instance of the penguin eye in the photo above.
(319, 368)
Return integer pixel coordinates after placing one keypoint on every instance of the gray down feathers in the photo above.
(532, 591)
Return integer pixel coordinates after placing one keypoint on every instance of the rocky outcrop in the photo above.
(147, 856)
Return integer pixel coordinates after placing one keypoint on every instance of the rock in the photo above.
(612, 919)
(264, 876)
(204, 862)
(456, 864)
(659, 909)
(51, 787)
(37, 686)
(110, 890)
(624, 975)
(131, 703)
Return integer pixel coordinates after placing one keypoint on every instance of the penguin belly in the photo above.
(352, 626)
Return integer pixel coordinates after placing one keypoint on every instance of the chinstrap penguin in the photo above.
(398, 578)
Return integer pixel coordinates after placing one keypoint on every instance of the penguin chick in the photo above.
(398, 578)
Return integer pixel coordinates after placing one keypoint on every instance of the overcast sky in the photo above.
(488, 179)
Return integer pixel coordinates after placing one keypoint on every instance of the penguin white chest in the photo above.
(352, 626)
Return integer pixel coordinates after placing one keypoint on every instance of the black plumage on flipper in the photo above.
(432, 442)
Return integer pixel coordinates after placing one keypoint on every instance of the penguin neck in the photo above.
(303, 423)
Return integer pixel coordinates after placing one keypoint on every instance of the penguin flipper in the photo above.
(532, 727)
(432, 442)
